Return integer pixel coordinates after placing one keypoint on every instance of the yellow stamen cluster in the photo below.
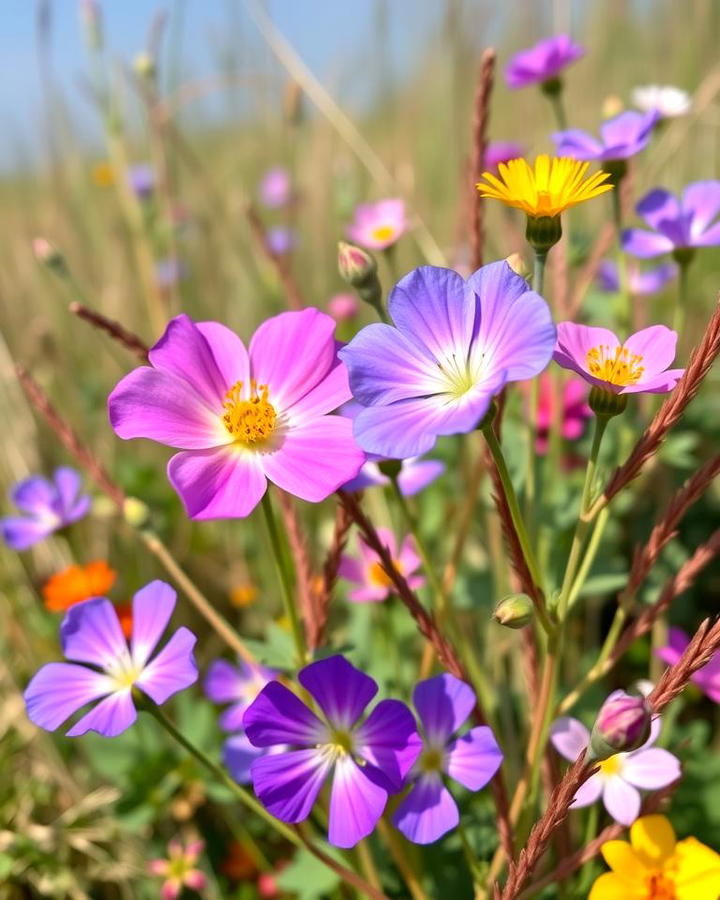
(383, 233)
(548, 189)
(250, 421)
(378, 577)
(431, 760)
(616, 366)
(610, 766)
(661, 888)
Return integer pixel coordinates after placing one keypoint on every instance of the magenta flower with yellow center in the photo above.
(373, 582)
(639, 365)
(243, 416)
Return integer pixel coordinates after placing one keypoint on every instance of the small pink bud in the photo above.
(46, 254)
(356, 266)
(623, 724)
(343, 307)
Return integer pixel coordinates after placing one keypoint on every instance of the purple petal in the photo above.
(277, 716)
(658, 207)
(91, 633)
(443, 704)
(577, 144)
(222, 483)
(628, 133)
(68, 483)
(110, 717)
(287, 784)
(184, 352)
(709, 238)
(342, 692)
(238, 755)
(34, 495)
(514, 331)
(474, 758)
(224, 682)
(389, 741)
(656, 345)
(151, 610)
(427, 812)
(645, 244)
(702, 200)
(20, 534)
(58, 690)
(232, 718)
(356, 804)
(621, 800)
(651, 769)
(315, 458)
(228, 351)
(569, 737)
(589, 792)
(652, 280)
(172, 670)
(608, 277)
(416, 475)
(154, 404)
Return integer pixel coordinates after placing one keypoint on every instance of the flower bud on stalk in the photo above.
(514, 611)
(47, 254)
(359, 269)
(623, 724)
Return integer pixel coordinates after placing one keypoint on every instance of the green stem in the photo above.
(288, 594)
(681, 302)
(533, 401)
(589, 556)
(559, 109)
(623, 302)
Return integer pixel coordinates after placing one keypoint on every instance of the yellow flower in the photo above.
(243, 595)
(548, 189)
(654, 867)
(103, 174)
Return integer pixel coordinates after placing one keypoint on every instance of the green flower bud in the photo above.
(514, 611)
(135, 512)
(606, 404)
(543, 232)
(390, 467)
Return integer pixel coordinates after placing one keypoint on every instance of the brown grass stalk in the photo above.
(279, 262)
(703, 646)
(341, 530)
(117, 332)
(481, 117)
(303, 564)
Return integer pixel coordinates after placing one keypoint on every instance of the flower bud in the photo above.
(135, 512)
(543, 232)
(343, 307)
(606, 404)
(47, 254)
(514, 611)
(356, 266)
(623, 724)
(144, 66)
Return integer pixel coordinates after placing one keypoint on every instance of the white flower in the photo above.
(669, 101)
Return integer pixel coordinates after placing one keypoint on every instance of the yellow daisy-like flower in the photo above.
(653, 866)
(103, 174)
(548, 189)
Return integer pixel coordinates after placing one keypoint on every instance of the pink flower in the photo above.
(179, 869)
(648, 768)
(707, 678)
(378, 225)
(374, 584)
(343, 307)
(638, 365)
(243, 416)
(575, 411)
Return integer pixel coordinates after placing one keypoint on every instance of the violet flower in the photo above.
(275, 188)
(374, 584)
(237, 685)
(376, 226)
(368, 760)
(641, 283)
(428, 811)
(707, 678)
(620, 138)
(141, 179)
(47, 504)
(280, 240)
(91, 634)
(648, 768)
(242, 416)
(454, 346)
(415, 475)
(239, 754)
(677, 225)
(498, 152)
(542, 62)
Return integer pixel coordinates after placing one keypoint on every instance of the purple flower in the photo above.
(376, 226)
(415, 475)
(242, 416)
(367, 760)
(91, 633)
(169, 271)
(707, 678)
(429, 811)
(620, 138)
(543, 62)
(48, 505)
(237, 685)
(239, 754)
(677, 224)
(640, 283)
(141, 179)
(498, 152)
(638, 365)
(275, 188)
(280, 240)
(455, 345)
(648, 768)
(374, 584)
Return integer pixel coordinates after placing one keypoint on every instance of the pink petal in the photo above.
(621, 800)
(589, 792)
(474, 758)
(574, 341)
(569, 737)
(223, 483)
(228, 351)
(651, 769)
(326, 397)
(656, 345)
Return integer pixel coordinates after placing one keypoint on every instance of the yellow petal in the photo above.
(611, 887)
(697, 865)
(621, 858)
(653, 840)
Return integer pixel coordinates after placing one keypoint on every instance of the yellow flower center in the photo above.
(383, 233)
(459, 376)
(341, 742)
(431, 760)
(660, 887)
(610, 766)
(251, 421)
(616, 366)
(378, 577)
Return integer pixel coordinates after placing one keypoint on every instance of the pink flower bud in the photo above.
(623, 724)
(356, 266)
(343, 307)
(46, 254)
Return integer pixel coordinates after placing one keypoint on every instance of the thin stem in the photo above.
(402, 863)
(589, 556)
(623, 303)
(533, 401)
(288, 594)
(555, 98)
(681, 301)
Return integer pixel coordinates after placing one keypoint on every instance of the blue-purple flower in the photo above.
(141, 179)
(640, 282)
(620, 138)
(237, 685)
(368, 760)
(239, 754)
(47, 506)
(281, 240)
(455, 344)
(543, 62)
(444, 703)
(91, 634)
(677, 224)
(169, 271)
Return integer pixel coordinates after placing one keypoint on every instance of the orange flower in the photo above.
(77, 583)
(124, 614)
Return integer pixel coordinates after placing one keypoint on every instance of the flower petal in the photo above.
(610, 886)
(577, 144)
(575, 341)
(657, 384)
(443, 704)
(389, 741)
(238, 756)
(287, 784)
(315, 458)
(277, 716)
(702, 200)
(68, 483)
(427, 812)
(228, 351)
(651, 769)
(658, 207)
(151, 610)
(20, 534)
(474, 758)
(91, 633)
(653, 840)
(110, 717)
(34, 495)
(224, 682)
(356, 804)
(342, 692)
(569, 737)
(645, 244)
(621, 800)
(172, 670)
(656, 345)
(418, 474)
(58, 690)
(589, 792)
(624, 862)
(222, 483)
(327, 396)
